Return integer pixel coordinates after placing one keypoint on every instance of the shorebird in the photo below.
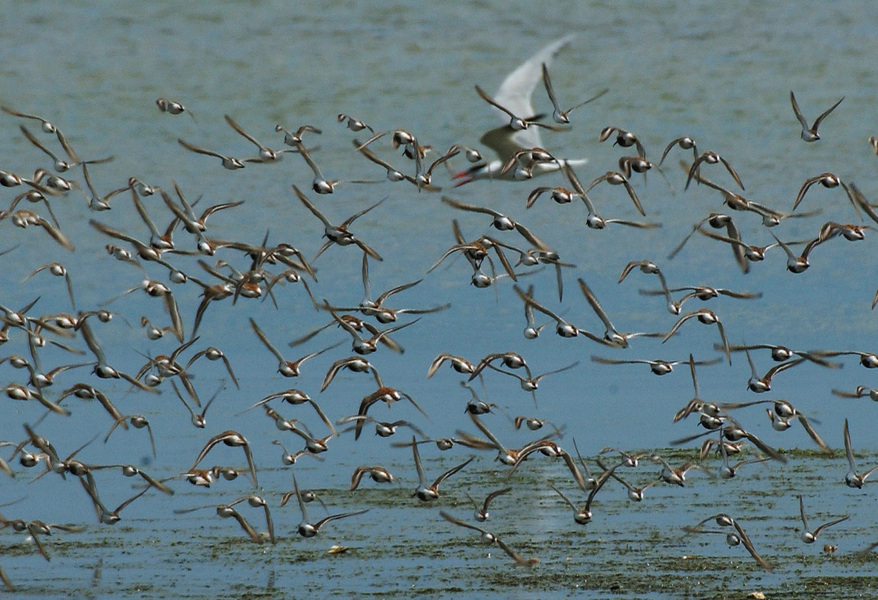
(658, 367)
(849, 231)
(650, 268)
(362, 345)
(499, 221)
(635, 164)
(708, 317)
(593, 220)
(384, 394)
(763, 384)
(357, 364)
(258, 502)
(770, 217)
(616, 178)
(563, 328)
(507, 456)
(490, 537)
(685, 142)
(551, 449)
(320, 184)
(738, 537)
(285, 367)
(172, 107)
(701, 292)
(458, 363)
(727, 448)
(352, 123)
(809, 536)
(531, 383)
(744, 253)
(233, 439)
(475, 405)
(376, 308)
(35, 529)
(225, 511)
(781, 415)
(523, 162)
(716, 221)
(635, 494)
(563, 116)
(583, 515)
(728, 470)
(105, 516)
(409, 143)
(697, 405)
(612, 336)
(424, 176)
(731, 431)
(97, 201)
(710, 158)
(535, 424)
(197, 419)
(862, 202)
(531, 329)
(24, 218)
(55, 185)
(313, 444)
(392, 173)
(513, 101)
(192, 223)
(853, 478)
(829, 181)
(516, 122)
(58, 270)
(481, 513)
(101, 367)
(382, 428)
(378, 475)
(340, 234)
(476, 252)
(624, 138)
(147, 252)
(212, 353)
(229, 162)
(154, 332)
(46, 125)
(560, 195)
(137, 422)
(73, 159)
(809, 132)
(289, 458)
(266, 154)
(511, 360)
(677, 476)
(797, 264)
(291, 139)
(627, 459)
(428, 492)
(358, 325)
(861, 391)
(542, 253)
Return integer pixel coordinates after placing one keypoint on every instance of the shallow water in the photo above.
(721, 74)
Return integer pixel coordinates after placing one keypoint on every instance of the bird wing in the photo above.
(450, 472)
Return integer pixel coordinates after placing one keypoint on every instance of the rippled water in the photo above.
(720, 73)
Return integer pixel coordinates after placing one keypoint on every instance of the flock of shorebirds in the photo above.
(172, 234)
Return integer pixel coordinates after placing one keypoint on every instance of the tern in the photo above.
(514, 95)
